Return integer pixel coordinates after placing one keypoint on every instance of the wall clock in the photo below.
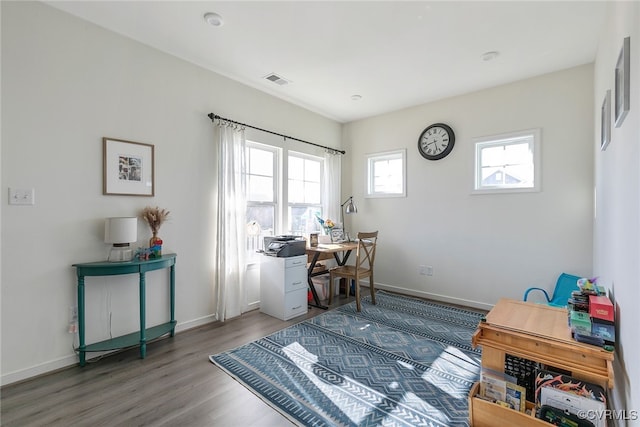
(436, 141)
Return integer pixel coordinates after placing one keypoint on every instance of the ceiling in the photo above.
(393, 54)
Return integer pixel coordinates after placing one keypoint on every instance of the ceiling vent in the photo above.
(273, 77)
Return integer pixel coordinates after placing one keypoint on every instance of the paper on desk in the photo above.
(331, 246)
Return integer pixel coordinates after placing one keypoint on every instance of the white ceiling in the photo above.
(394, 54)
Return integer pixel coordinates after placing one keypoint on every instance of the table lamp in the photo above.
(120, 231)
(351, 209)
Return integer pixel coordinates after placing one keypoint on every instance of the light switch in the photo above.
(21, 196)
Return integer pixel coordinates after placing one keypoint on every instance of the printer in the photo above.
(284, 246)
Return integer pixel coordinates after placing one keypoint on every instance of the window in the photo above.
(304, 192)
(277, 196)
(262, 179)
(508, 162)
(386, 174)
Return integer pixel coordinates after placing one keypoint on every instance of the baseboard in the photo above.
(71, 360)
(436, 297)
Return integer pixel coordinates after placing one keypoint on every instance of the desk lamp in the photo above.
(120, 231)
(351, 209)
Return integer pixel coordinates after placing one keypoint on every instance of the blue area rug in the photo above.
(401, 362)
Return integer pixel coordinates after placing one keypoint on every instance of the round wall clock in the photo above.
(436, 141)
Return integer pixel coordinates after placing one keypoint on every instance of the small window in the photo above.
(386, 174)
(508, 162)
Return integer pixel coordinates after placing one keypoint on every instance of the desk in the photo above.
(326, 249)
(104, 268)
(539, 333)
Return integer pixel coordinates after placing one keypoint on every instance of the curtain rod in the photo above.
(213, 117)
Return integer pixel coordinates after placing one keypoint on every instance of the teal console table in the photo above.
(104, 268)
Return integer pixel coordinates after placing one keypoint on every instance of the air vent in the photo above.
(273, 77)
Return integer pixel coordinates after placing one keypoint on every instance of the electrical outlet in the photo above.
(73, 320)
(21, 196)
(422, 270)
(429, 270)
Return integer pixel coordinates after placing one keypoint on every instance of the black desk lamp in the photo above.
(351, 209)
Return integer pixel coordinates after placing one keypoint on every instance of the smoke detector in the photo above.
(214, 19)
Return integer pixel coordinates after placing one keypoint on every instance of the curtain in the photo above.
(231, 221)
(331, 197)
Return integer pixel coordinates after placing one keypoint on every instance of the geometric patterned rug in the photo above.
(401, 362)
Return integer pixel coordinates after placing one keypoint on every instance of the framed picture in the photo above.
(605, 122)
(623, 80)
(127, 168)
(337, 235)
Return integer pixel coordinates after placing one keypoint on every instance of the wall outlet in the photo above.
(422, 270)
(21, 196)
(429, 270)
(73, 320)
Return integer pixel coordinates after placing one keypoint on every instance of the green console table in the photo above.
(140, 267)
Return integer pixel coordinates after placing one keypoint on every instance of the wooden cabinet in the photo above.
(283, 286)
(539, 333)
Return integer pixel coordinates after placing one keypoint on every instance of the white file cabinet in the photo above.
(283, 286)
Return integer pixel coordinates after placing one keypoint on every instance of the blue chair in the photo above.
(566, 284)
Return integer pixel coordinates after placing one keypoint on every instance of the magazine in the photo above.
(502, 388)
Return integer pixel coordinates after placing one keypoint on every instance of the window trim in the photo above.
(369, 179)
(481, 142)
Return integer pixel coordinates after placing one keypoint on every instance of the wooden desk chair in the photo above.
(365, 257)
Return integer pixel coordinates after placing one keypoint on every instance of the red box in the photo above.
(600, 307)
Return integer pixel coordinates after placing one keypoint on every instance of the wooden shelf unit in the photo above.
(539, 333)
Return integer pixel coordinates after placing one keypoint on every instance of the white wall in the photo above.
(65, 85)
(483, 247)
(617, 225)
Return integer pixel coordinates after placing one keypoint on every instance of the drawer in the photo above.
(295, 283)
(295, 304)
(295, 261)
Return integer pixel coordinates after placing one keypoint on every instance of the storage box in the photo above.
(600, 307)
(321, 283)
(580, 322)
(603, 329)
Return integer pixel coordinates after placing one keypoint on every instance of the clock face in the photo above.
(436, 141)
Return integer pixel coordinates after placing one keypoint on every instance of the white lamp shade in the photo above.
(121, 230)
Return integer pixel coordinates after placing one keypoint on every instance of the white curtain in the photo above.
(230, 248)
(331, 196)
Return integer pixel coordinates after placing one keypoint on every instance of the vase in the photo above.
(155, 246)
(330, 234)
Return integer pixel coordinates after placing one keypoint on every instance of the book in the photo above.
(516, 396)
(493, 384)
(571, 395)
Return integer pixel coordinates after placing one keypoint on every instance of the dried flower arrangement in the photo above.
(155, 217)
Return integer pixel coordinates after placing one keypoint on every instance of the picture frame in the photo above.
(623, 80)
(128, 168)
(605, 121)
(337, 235)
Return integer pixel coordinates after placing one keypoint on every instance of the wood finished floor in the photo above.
(175, 385)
